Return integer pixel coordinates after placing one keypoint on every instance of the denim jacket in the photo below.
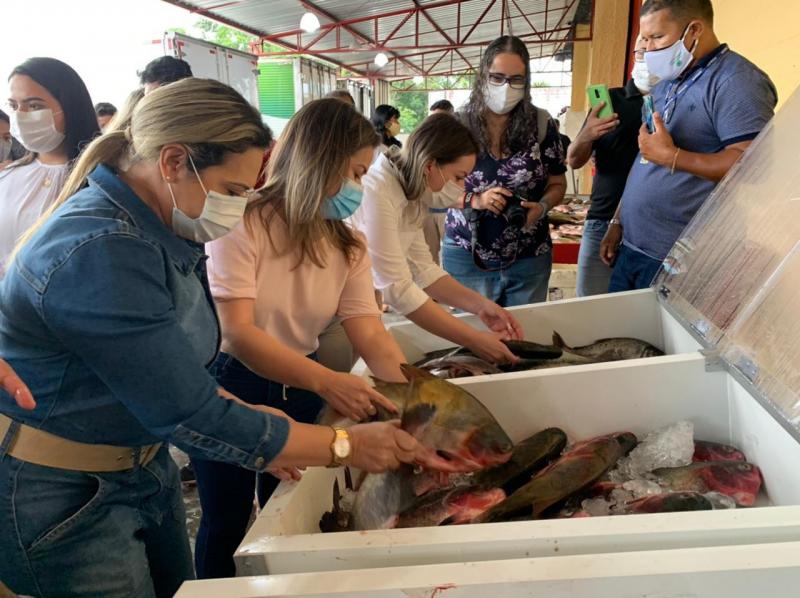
(108, 318)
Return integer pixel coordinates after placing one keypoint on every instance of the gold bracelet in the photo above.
(675, 161)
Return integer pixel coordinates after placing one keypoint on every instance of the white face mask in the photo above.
(220, 214)
(502, 99)
(642, 78)
(36, 130)
(670, 63)
(5, 149)
(447, 197)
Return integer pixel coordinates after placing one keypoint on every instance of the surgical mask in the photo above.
(393, 129)
(502, 99)
(344, 203)
(447, 197)
(670, 63)
(36, 130)
(5, 149)
(642, 78)
(220, 214)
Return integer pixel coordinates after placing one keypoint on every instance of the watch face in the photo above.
(342, 448)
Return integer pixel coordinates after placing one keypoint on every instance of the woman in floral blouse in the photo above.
(500, 245)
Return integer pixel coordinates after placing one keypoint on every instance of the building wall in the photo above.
(767, 34)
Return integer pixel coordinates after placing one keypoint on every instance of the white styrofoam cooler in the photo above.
(585, 401)
(716, 572)
(732, 280)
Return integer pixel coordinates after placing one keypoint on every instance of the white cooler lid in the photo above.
(734, 275)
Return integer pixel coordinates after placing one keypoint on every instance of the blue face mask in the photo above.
(345, 203)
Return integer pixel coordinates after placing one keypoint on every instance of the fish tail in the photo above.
(559, 342)
(414, 373)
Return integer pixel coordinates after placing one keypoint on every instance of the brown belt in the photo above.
(42, 448)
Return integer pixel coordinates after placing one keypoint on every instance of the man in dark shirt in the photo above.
(613, 142)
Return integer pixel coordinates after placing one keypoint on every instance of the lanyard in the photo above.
(676, 90)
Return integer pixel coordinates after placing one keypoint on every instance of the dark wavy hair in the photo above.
(66, 86)
(382, 115)
(522, 119)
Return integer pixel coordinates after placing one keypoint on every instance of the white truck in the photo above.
(233, 67)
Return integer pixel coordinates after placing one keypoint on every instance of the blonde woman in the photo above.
(278, 279)
(398, 191)
(108, 317)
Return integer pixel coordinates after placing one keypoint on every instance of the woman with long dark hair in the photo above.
(53, 116)
(386, 120)
(500, 246)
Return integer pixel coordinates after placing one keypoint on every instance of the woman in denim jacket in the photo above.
(107, 316)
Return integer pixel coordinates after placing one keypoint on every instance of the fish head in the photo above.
(627, 441)
(457, 429)
(739, 480)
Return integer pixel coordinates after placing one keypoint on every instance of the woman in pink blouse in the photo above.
(279, 279)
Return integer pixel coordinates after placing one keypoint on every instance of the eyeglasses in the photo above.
(516, 82)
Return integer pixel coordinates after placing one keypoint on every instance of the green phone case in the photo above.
(599, 93)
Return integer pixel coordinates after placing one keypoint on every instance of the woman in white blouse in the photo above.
(398, 190)
(53, 117)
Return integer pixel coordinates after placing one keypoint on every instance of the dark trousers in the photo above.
(227, 491)
(632, 270)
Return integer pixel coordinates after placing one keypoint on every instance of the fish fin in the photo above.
(348, 479)
(337, 496)
(448, 520)
(415, 374)
(559, 342)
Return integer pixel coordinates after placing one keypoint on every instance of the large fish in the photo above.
(610, 349)
(450, 506)
(461, 435)
(381, 498)
(713, 451)
(741, 481)
(669, 502)
(577, 469)
(528, 456)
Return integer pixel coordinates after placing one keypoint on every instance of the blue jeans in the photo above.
(525, 281)
(227, 491)
(632, 270)
(593, 275)
(69, 533)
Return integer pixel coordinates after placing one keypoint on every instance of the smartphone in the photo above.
(599, 93)
(647, 113)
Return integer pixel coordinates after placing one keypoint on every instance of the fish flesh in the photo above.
(575, 470)
(669, 502)
(737, 479)
(610, 349)
(528, 456)
(452, 506)
(713, 451)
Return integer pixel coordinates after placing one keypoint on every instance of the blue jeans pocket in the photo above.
(48, 503)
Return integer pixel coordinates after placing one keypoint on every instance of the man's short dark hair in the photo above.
(163, 70)
(4, 116)
(443, 105)
(105, 109)
(682, 11)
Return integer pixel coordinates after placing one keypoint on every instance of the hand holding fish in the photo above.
(14, 386)
(379, 446)
(489, 347)
(500, 320)
(352, 396)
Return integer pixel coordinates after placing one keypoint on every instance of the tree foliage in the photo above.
(413, 107)
(224, 35)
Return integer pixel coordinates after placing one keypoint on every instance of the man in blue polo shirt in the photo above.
(710, 104)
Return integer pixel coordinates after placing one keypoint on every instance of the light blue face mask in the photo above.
(344, 203)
